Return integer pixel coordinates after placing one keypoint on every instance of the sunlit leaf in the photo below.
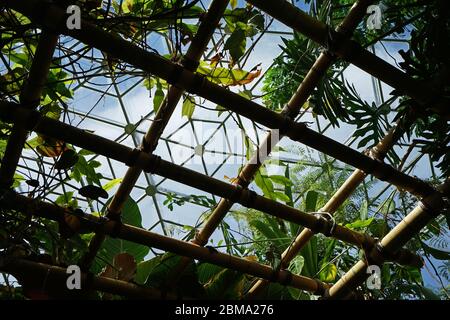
(228, 77)
(329, 272)
(111, 184)
(188, 107)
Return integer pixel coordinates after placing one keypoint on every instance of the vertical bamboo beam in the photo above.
(291, 110)
(427, 209)
(190, 61)
(347, 188)
(30, 98)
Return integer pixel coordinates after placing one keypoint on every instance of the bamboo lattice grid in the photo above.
(182, 78)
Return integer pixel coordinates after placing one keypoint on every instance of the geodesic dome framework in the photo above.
(139, 151)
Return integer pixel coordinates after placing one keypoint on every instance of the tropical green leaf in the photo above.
(112, 246)
(188, 107)
(236, 44)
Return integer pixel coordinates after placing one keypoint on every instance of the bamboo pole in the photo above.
(151, 138)
(11, 112)
(197, 84)
(54, 279)
(427, 209)
(347, 188)
(352, 52)
(30, 97)
(291, 110)
(11, 200)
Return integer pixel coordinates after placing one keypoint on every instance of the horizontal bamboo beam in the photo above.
(427, 210)
(175, 74)
(30, 97)
(168, 105)
(352, 52)
(11, 200)
(11, 112)
(291, 110)
(55, 278)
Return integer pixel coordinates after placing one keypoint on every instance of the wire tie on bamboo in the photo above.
(175, 75)
(378, 255)
(198, 81)
(133, 157)
(113, 216)
(286, 123)
(325, 295)
(275, 276)
(248, 198)
(189, 63)
(116, 228)
(333, 41)
(322, 289)
(375, 165)
(199, 239)
(327, 218)
(288, 279)
(434, 200)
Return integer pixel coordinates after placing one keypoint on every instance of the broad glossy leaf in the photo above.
(329, 272)
(113, 246)
(206, 271)
(159, 272)
(227, 284)
(67, 160)
(236, 44)
(281, 180)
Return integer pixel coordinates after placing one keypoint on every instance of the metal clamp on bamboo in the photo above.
(154, 164)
